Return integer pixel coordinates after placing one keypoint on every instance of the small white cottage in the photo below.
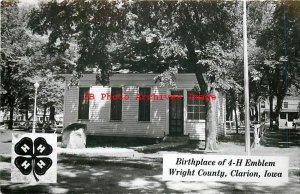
(133, 105)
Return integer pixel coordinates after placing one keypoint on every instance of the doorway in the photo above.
(176, 113)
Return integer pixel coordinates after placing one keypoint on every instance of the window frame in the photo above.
(263, 104)
(283, 116)
(201, 107)
(285, 104)
(111, 113)
(292, 116)
(79, 115)
(139, 104)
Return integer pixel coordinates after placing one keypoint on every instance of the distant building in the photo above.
(288, 113)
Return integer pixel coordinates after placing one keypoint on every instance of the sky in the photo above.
(28, 2)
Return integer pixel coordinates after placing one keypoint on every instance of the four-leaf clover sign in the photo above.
(33, 156)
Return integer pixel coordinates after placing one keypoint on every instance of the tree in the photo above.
(90, 23)
(185, 35)
(50, 92)
(23, 61)
(232, 105)
(280, 56)
(14, 58)
(146, 37)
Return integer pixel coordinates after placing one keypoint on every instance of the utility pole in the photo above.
(246, 81)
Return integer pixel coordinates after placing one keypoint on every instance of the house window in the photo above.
(282, 115)
(195, 107)
(285, 104)
(116, 104)
(144, 104)
(263, 104)
(292, 116)
(83, 106)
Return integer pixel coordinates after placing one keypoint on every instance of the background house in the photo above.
(289, 111)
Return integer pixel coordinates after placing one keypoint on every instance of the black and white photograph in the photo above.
(150, 96)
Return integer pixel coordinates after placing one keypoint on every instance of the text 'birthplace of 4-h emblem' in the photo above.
(33, 156)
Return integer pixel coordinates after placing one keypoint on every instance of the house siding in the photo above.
(195, 130)
(99, 122)
(71, 106)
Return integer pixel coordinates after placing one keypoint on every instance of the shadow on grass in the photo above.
(283, 138)
(78, 174)
(107, 175)
(95, 175)
(236, 138)
(5, 159)
(181, 147)
(122, 142)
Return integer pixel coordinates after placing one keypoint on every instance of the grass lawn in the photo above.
(124, 170)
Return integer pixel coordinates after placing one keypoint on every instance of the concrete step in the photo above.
(160, 147)
(176, 139)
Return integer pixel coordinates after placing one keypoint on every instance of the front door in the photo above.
(176, 113)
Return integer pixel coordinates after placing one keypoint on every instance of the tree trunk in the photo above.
(271, 110)
(44, 115)
(279, 102)
(231, 119)
(26, 115)
(11, 118)
(27, 109)
(52, 114)
(236, 122)
(211, 126)
(256, 112)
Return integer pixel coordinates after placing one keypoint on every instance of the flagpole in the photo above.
(246, 82)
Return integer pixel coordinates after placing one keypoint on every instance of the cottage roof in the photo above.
(292, 98)
(183, 80)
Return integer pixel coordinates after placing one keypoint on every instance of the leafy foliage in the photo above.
(146, 37)
(23, 62)
(278, 57)
(168, 37)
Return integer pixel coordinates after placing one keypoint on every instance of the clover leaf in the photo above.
(33, 156)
